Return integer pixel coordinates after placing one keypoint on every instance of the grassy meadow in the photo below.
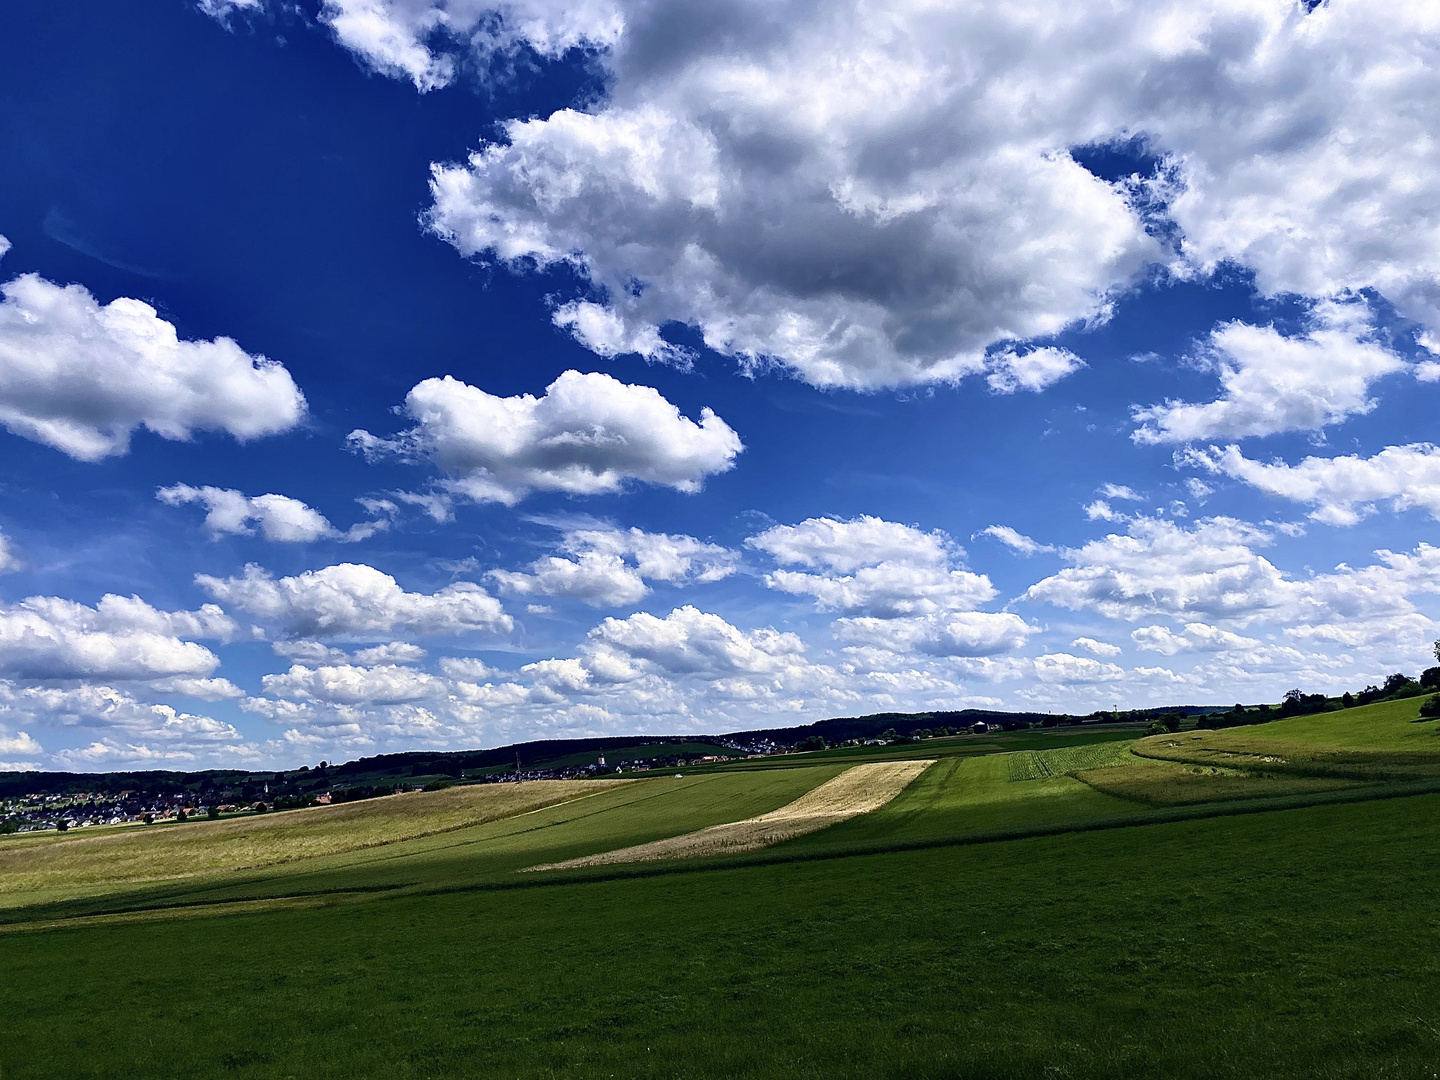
(1067, 908)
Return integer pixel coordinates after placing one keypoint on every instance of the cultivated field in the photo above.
(860, 789)
(39, 865)
(1163, 783)
(1081, 911)
(1041, 764)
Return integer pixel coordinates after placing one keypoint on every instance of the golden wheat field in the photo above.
(167, 852)
(856, 791)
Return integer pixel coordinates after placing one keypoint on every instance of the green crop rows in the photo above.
(1043, 764)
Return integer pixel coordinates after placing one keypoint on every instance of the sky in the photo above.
(396, 374)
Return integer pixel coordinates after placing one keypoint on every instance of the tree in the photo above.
(1395, 683)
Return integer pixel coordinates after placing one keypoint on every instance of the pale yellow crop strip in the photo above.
(856, 791)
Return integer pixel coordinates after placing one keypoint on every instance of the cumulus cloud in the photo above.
(394, 652)
(82, 377)
(877, 195)
(1341, 489)
(418, 39)
(355, 600)
(846, 546)
(954, 633)
(350, 684)
(589, 434)
(591, 577)
(1016, 541)
(278, 517)
(1095, 648)
(1211, 572)
(889, 590)
(692, 642)
(212, 689)
(610, 566)
(127, 729)
(1067, 668)
(871, 567)
(21, 743)
(47, 637)
(1196, 637)
(1033, 370)
(1272, 383)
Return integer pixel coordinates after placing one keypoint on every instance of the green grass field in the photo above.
(1258, 923)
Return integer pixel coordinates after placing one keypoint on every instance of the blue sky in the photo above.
(381, 374)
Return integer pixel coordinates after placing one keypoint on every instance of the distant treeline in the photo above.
(383, 773)
(388, 770)
(1298, 703)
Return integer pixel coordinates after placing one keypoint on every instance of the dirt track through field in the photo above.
(856, 791)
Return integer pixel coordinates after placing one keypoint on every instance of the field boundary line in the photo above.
(857, 790)
(620, 872)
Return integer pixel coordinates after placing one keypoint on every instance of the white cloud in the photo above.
(610, 566)
(668, 557)
(309, 652)
(1209, 572)
(846, 546)
(213, 689)
(81, 376)
(8, 559)
(162, 733)
(1034, 370)
(871, 567)
(465, 667)
(1016, 541)
(589, 434)
(1342, 489)
(413, 39)
(21, 743)
(1120, 491)
(1196, 637)
(1272, 383)
(1096, 648)
(591, 577)
(955, 633)
(695, 643)
(384, 684)
(354, 600)
(1199, 490)
(1065, 668)
(875, 195)
(394, 652)
(278, 517)
(888, 590)
(47, 637)
(221, 10)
